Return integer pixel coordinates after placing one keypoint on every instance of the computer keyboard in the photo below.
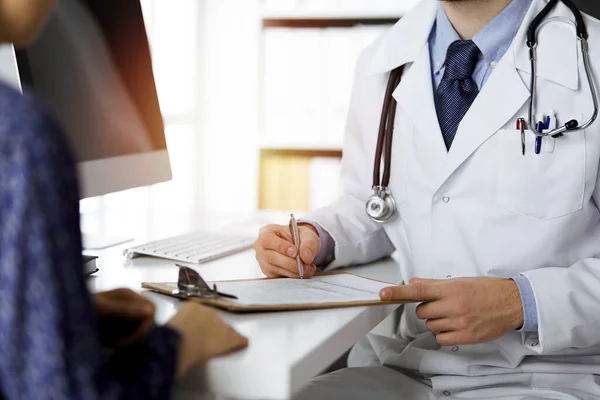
(198, 247)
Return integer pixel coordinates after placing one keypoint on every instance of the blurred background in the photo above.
(254, 95)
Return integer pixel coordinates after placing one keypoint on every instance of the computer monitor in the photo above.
(592, 7)
(92, 67)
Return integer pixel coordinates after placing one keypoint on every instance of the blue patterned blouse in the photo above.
(49, 343)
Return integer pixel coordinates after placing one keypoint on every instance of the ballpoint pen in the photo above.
(522, 125)
(538, 139)
(550, 142)
(296, 239)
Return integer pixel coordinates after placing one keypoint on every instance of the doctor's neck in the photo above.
(470, 16)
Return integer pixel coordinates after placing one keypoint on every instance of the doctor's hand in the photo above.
(463, 311)
(276, 253)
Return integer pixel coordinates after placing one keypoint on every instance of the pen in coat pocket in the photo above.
(538, 139)
(522, 126)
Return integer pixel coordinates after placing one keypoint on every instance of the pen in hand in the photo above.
(296, 239)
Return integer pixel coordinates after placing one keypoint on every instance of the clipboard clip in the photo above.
(191, 284)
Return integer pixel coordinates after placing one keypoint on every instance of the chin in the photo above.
(23, 38)
(24, 23)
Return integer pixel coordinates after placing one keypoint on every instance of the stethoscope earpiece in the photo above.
(572, 124)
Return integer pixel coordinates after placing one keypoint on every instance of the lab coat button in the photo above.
(455, 349)
(446, 199)
(493, 64)
(447, 393)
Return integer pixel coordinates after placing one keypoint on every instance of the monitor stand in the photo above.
(100, 242)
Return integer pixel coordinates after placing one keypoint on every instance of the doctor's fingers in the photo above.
(280, 265)
(414, 292)
(437, 309)
(457, 338)
(443, 325)
(278, 272)
(282, 231)
(270, 238)
(310, 246)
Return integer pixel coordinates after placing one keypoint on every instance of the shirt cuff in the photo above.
(327, 254)
(530, 316)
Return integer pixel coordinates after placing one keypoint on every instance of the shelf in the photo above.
(312, 23)
(301, 147)
(337, 14)
(299, 179)
(302, 152)
(333, 18)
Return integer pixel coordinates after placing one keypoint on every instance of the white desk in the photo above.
(286, 349)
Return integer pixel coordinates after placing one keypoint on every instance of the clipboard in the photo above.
(202, 293)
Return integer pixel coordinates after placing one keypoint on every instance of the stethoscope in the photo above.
(381, 206)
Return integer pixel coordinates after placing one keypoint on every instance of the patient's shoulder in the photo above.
(27, 128)
(19, 111)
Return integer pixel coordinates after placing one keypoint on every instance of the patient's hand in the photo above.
(123, 316)
(204, 335)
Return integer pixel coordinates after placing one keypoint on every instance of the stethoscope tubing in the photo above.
(386, 132)
(390, 135)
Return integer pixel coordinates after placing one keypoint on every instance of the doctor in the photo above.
(500, 250)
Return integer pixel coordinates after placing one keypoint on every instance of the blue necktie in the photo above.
(457, 90)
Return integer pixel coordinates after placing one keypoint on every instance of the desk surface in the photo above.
(286, 349)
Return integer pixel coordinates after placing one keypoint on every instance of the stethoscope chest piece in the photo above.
(381, 206)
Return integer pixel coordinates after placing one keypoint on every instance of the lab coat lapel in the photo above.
(407, 44)
(415, 97)
(500, 99)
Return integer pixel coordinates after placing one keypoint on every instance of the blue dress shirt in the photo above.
(493, 41)
(49, 342)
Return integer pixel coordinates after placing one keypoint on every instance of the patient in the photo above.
(52, 332)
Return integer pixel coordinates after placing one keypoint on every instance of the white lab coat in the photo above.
(483, 209)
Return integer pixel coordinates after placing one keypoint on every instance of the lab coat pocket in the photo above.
(541, 186)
